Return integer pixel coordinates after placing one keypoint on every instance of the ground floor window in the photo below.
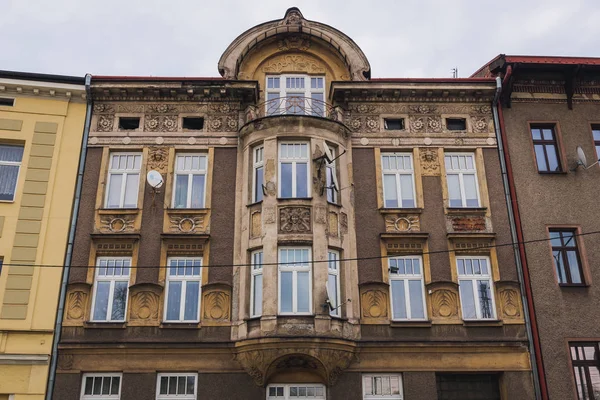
(292, 391)
(176, 386)
(468, 387)
(101, 386)
(585, 358)
(382, 386)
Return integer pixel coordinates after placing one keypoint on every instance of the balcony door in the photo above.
(295, 94)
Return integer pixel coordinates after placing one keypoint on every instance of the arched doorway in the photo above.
(296, 376)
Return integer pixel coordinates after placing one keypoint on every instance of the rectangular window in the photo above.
(190, 181)
(566, 257)
(393, 124)
(456, 124)
(461, 176)
(129, 123)
(176, 386)
(407, 287)
(331, 179)
(183, 289)
(257, 284)
(382, 386)
(468, 386)
(475, 286)
(333, 281)
(596, 136)
(398, 180)
(7, 102)
(585, 358)
(294, 171)
(111, 288)
(258, 174)
(99, 386)
(123, 180)
(295, 94)
(294, 391)
(545, 146)
(295, 285)
(1, 262)
(10, 164)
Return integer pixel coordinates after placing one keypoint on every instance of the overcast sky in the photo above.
(401, 38)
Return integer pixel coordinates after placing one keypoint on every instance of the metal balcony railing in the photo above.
(294, 105)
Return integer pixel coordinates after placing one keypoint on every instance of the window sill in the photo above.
(466, 210)
(7, 201)
(294, 198)
(553, 172)
(410, 324)
(254, 204)
(180, 325)
(482, 323)
(336, 205)
(186, 210)
(413, 210)
(118, 211)
(105, 325)
(573, 285)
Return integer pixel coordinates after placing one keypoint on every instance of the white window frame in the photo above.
(190, 174)
(461, 173)
(100, 396)
(397, 172)
(176, 396)
(124, 174)
(406, 278)
(13, 164)
(473, 278)
(111, 294)
(283, 92)
(368, 396)
(184, 279)
(295, 161)
(333, 269)
(286, 391)
(256, 258)
(295, 269)
(331, 170)
(258, 154)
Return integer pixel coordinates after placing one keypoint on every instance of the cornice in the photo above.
(52, 90)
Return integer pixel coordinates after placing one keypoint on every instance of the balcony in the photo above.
(293, 105)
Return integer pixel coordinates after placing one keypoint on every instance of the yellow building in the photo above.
(42, 120)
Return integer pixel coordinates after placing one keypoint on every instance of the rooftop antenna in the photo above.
(582, 160)
(455, 72)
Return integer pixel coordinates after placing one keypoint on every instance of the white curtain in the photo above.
(9, 172)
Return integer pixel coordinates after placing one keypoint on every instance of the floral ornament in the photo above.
(417, 124)
(479, 124)
(151, 124)
(216, 123)
(162, 108)
(482, 109)
(225, 108)
(232, 123)
(101, 108)
(423, 109)
(435, 124)
(355, 124)
(363, 108)
(105, 123)
(170, 123)
(372, 123)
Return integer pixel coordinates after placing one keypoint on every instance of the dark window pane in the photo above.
(258, 179)
(468, 387)
(393, 124)
(286, 180)
(89, 384)
(301, 180)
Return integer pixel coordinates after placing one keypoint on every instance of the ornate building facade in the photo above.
(305, 231)
(41, 127)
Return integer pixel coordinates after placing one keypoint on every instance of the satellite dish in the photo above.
(331, 300)
(581, 159)
(328, 154)
(154, 179)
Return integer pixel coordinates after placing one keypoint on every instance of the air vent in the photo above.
(129, 123)
(456, 124)
(6, 102)
(193, 123)
(393, 124)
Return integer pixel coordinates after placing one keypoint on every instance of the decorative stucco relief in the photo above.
(295, 219)
(186, 223)
(374, 303)
(509, 302)
(76, 306)
(144, 307)
(255, 224)
(402, 223)
(119, 223)
(158, 159)
(293, 63)
(216, 305)
(430, 163)
(444, 304)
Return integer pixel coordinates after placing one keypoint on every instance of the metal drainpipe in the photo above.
(539, 379)
(69, 254)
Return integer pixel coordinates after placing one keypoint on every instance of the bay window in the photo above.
(111, 289)
(461, 177)
(123, 180)
(295, 282)
(475, 287)
(190, 181)
(330, 179)
(183, 289)
(294, 171)
(256, 284)
(257, 174)
(407, 288)
(333, 281)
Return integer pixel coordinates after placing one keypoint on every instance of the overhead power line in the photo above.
(379, 257)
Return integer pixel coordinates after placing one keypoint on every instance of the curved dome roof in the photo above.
(293, 23)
